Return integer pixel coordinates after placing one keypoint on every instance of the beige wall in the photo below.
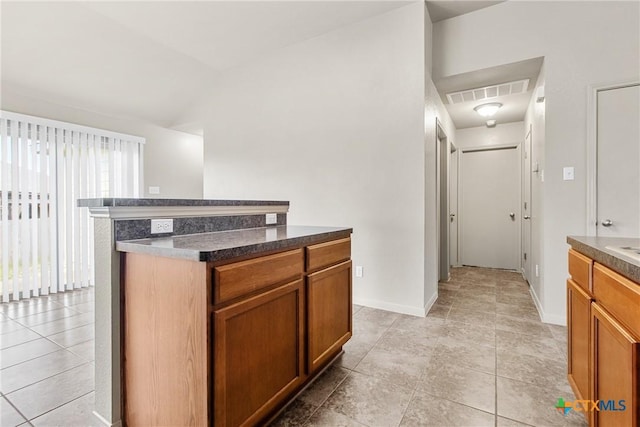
(172, 159)
(336, 125)
(584, 43)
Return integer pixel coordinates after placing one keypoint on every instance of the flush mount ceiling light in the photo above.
(488, 110)
(491, 123)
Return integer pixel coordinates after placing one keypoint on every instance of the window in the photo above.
(46, 240)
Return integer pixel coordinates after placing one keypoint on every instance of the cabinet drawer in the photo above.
(241, 278)
(328, 253)
(618, 295)
(580, 269)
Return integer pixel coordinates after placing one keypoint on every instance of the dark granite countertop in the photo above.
(113, 202)
(223, 245)
(597, 248)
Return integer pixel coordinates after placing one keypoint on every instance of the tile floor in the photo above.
(46, 360)
(481, 357)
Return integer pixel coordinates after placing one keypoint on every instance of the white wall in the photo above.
(336, 125)
(434, 110)
(482, 136)
(584, 43)
(172, 160)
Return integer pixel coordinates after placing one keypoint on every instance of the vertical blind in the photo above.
(46, 240)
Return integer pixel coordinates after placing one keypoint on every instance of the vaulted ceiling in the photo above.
(154, 59)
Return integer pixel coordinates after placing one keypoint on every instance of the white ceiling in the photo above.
(441, 10)
(513, 108)
(152, 60)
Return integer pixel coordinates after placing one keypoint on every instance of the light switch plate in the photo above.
(568, 173)
(161, 226)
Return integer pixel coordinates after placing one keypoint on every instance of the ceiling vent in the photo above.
(488, 92)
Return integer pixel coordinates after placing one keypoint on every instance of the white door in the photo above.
(453, 209)
(526, 208)
(618, 162)
(489, 211)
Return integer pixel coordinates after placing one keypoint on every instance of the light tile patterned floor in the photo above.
(46, 360)
(481, 357)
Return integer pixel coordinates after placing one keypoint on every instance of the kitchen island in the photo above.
(603, 319)
(224, 318)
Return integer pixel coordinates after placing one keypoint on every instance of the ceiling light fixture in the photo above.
(491, 123)
(488, 110)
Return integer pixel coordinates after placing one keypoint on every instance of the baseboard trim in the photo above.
(553, 319)
(396, 308)
(99, 418)
(429, 304)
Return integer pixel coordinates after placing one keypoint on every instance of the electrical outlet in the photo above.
(161, 226)
(271, 219)
(537, 271)
(358, 271)
(154, 190)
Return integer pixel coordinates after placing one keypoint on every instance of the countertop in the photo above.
(224, 245)
(129, 202)
(596, 249)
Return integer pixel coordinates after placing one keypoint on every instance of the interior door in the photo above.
(618, 157)
(453, 208)
(490, 214)
(526, 208)
(443, 204)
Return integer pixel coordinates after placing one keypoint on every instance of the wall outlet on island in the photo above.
(358, 271)
(161, 226)
(271, 219)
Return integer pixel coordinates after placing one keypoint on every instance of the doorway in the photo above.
(443, 153)
(489, 207)
(526, 207)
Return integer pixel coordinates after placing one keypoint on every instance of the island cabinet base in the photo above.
(229, 344)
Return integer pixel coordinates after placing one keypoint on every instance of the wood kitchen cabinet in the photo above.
(329, 317)
(578, 339)
(603, 318)
(230, 343)
(258, 357)
(615, 371)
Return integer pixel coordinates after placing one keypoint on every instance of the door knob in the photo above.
(607, 223)
(452, 216)
(527, 217)
(512, 215)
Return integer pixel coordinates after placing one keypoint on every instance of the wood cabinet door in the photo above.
(578, 322)
(615, 369)
(258, 347)
(329, 313)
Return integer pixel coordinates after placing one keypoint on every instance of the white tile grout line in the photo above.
(60, 406)
(2, 396)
